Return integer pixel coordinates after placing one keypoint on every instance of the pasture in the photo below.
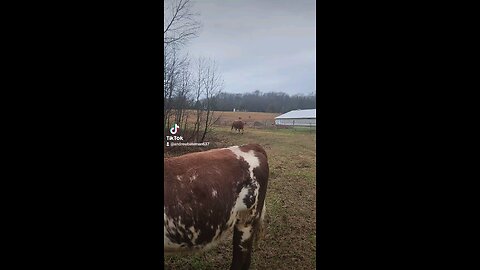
(224, 118)
(249, 117)
(290, 235)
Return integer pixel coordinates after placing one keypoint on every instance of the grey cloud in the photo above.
(265, 45)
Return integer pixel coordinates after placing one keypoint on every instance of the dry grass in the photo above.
(226, 118)
(291, 202)
(247, 116)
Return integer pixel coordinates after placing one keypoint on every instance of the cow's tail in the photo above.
(260, 233)
(261, 228)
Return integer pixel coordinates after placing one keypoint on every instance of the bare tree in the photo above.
(206, 85)
(181, 95)
(198, 91)
(184, 90)
(180, 23)
(174, 70)
(213, 85)
(169, 82)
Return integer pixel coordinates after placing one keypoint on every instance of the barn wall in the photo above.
(296, 122)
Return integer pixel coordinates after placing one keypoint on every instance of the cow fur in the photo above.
(238, 125)
(208, 194)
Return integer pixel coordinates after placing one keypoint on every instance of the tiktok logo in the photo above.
(174, 129)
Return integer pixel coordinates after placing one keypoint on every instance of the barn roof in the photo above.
(299, 114)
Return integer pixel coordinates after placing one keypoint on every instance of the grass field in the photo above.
(291, 202)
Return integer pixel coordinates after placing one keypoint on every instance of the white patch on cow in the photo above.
(254, 207)
(194, 233)
(249, 157)
(180, 224)
(172, 224)
(193, 177)
(179, 178)
(214, 193)
(239, 204)
(246, 232)
(168, 227)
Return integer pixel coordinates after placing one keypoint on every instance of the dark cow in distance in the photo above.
(207, 194)
(238, 125)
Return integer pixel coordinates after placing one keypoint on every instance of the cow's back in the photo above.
(237, 124)
(204, 192)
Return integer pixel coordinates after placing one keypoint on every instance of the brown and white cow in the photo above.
(238, 125)
(207, 194)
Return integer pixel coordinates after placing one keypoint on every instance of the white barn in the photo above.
(298, 118)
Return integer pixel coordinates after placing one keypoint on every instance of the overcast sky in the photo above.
(267, 45)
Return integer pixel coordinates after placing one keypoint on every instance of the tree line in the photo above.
(255, 101)
(272, 102)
